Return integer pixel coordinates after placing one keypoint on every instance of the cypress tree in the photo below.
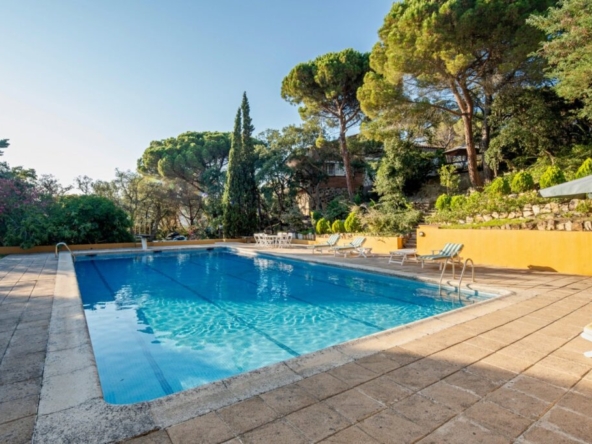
(240, 199)
(251, 191)
(231, 202)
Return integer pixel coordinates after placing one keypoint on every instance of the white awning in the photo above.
(573, 188)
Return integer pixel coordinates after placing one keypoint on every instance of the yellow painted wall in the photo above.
(561, 251)
(51, 248)
(379, 245)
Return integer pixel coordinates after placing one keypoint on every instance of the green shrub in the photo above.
(498, 186)
(388, 220)
(352, 223)
(443, 202)
(585, 169)
(552, 176)
(315, 216)
(457, 202)
(449, 178)
(323, 226)
(338, 226)
(336, 209)
(522, 182)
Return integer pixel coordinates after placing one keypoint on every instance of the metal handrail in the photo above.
(443, 271)
(60, 244)
(463, 272)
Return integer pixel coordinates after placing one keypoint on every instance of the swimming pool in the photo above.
(163, 323)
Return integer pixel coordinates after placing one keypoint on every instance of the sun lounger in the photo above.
(331, 242)
(450, 251)
(355, 245)
(400, 256)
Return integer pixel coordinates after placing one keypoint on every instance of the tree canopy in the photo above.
(197, 158)
(326, 89)
(453, 55)
(568, 49)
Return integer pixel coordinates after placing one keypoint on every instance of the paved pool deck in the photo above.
(507, 370)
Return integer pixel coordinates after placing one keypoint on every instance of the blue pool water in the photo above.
(162, 323)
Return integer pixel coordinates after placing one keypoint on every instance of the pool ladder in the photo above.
(63, 244)
(462, 273)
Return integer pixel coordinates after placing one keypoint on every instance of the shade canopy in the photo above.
(573, 188)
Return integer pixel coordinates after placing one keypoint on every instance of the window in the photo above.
(334, 169)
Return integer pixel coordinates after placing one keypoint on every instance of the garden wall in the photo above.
(51, 248)
(560, 251)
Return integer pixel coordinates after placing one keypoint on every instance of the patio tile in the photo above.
(540, 435)
(18, 390)
(536, 388)
(247, 415)
(496, 375)
(354, 405)
(515, 365)
(385, 390)
(519, 403)
(565, 365)
(577, 403)
(323, 385)
(17, 432)
(288, 399)
(496, 418)
(318, 421)
(584, 387)
(201, 430)
(423, 412)
(353, 374)
(388, 427)
(451, 396)
(159, 437)
(18, 408)
(402, 356)
(462, 353)
(552, 376)
(276, 432)
(20, 368)
(571, 423)
(350, 435)
(462, 431)
(378, 363)
(420, 374)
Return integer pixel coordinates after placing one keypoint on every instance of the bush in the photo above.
(449, 178)
(89, 220)
(443, 202)
(585, 169)
(352, 223)
(338, 226)
(457, 202)
(498, 186)
(323, 226)
(522, 182)
(388, 220)
(552, 176)
(336, 209)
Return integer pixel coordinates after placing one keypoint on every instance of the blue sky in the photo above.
(86, 85)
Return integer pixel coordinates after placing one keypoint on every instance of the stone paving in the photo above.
(510, 370)
(26, 298)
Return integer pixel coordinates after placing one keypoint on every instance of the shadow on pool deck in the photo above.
(510, 369)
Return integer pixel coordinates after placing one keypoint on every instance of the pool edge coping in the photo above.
(89, 411)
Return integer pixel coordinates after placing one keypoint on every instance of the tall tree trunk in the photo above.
(488, 173)
(465, 104)
(349, 180)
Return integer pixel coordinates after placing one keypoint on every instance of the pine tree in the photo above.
(240, 199)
